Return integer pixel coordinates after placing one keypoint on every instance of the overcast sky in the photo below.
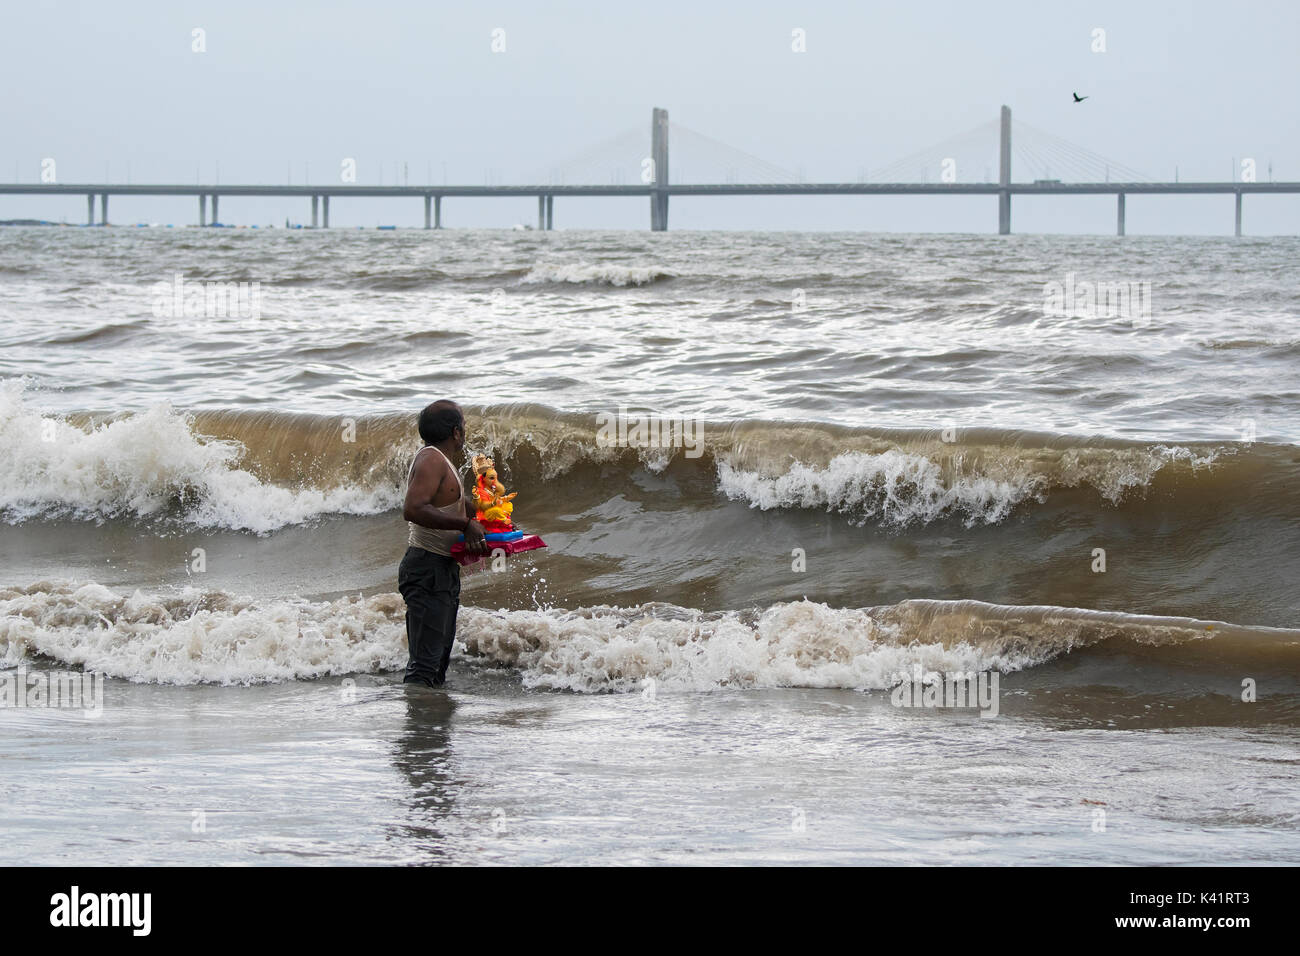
(414, 90)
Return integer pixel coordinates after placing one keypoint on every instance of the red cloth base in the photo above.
(529, 542)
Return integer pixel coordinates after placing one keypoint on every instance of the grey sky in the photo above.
(287, 88)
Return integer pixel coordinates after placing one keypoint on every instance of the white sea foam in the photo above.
(200, 637)
(150, 464)
(799, 644)
(898, 488)
(1116, 474)
(597, 273)
(215, 637)
(894, 487)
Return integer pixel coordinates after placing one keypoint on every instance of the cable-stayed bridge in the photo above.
(979, 161)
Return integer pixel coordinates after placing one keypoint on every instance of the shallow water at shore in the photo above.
(485, 772)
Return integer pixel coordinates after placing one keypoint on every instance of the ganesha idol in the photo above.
(494, 510)
(494, 505)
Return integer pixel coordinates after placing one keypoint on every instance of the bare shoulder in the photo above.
(429, 462)
(432, 477)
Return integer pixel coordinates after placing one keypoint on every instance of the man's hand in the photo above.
(475, 542)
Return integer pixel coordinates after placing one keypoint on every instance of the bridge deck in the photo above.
(680, 189)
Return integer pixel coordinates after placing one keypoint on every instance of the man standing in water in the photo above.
(438, 512)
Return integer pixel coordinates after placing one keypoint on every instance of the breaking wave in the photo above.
(194, 636)
(261, 471)
(594, 273)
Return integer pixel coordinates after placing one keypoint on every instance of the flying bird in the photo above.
(1078, 98)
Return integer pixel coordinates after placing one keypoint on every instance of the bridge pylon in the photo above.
(1004, 174)
(659, 164)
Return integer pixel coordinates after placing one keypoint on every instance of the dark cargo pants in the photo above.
(430, 585)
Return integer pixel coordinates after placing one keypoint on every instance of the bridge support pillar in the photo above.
(1004, 174)
(437, 212)
(203, 209)
(90, 209)
(1119, 215)
(550, 213)
(315, 203)
(103, 209)
(216, 219)
(428, 203)
(659, 161)
(325, 211)
(541, 213)
(1237, 233)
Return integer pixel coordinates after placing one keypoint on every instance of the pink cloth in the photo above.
(529, 542)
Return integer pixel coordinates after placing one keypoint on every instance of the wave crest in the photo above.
(153, 464)
(197, 636)
(261, 471)
(594, 273)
